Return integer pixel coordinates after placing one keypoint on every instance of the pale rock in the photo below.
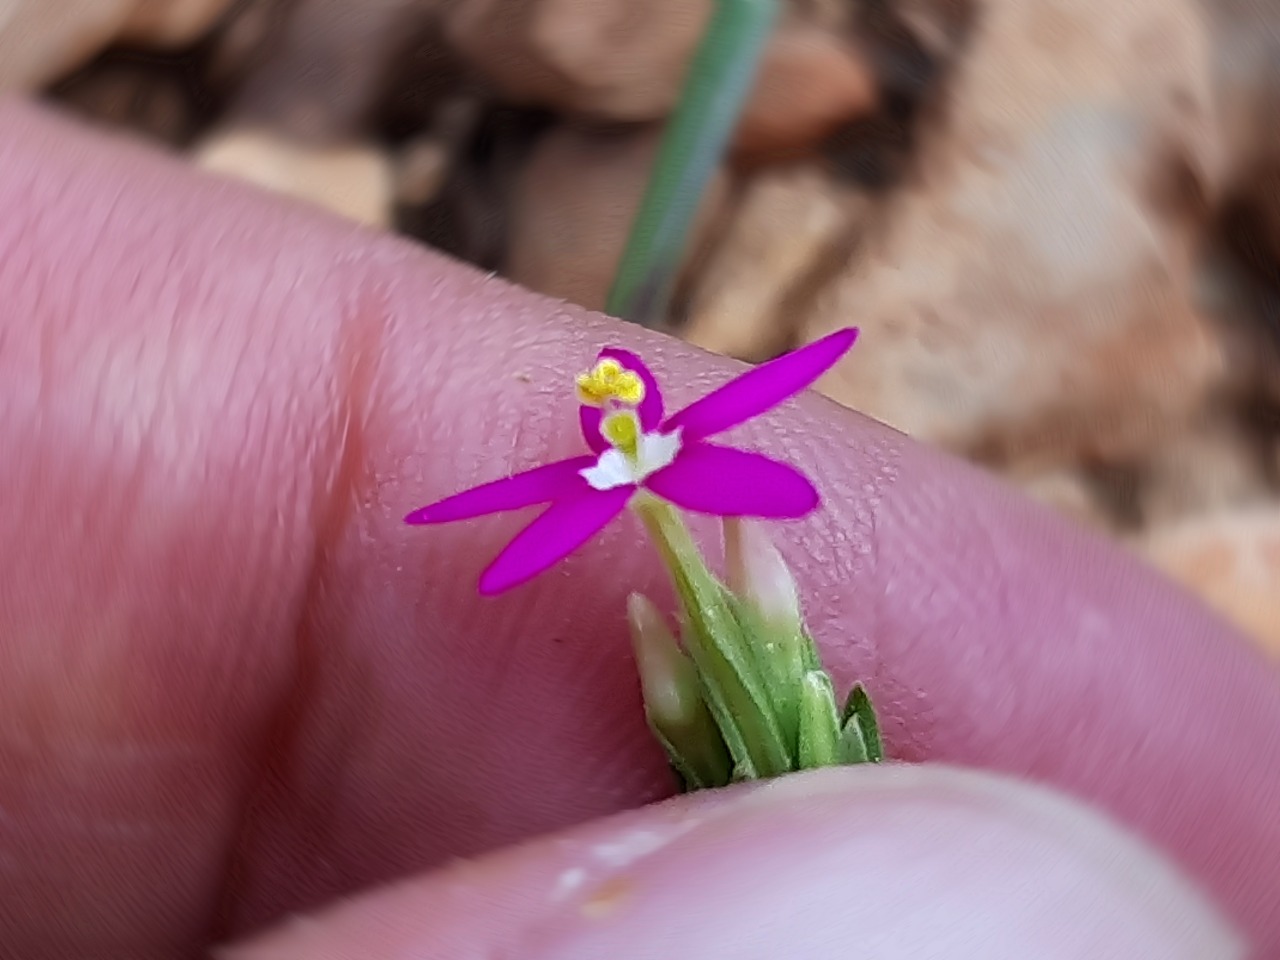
(939, 27)
(1030, 293)
(355, 181)
(835, 16)
(1229, 292)
(1264, 190)
(1071, 494)
(1231, 560)
(1246, 40)
(810, 83)
(574, 205)
(41, 40)
(330, 65)
(1246, 71)
(249, 36)
(1214, 467)
(171, 23)
(153, 100)
(613, 59)
(627, 60)
(422, 169)
(786, 224)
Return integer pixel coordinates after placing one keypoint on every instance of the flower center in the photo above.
(622, 429)
(633, 454)
(608, 383)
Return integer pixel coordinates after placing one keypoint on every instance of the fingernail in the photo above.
(885, 861)
(892, 862)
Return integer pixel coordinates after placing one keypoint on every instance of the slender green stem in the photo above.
(716, 88)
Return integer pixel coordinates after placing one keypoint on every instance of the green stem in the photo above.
(715, 91)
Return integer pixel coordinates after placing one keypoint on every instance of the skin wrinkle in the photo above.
(69, 359)
(343, 494)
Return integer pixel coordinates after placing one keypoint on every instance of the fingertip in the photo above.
(892, 861)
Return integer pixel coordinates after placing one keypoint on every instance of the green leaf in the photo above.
(716, 87)
(853, 748)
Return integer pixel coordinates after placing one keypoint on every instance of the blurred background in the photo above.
(1057, 223)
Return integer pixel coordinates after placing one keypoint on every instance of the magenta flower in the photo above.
(636, 447)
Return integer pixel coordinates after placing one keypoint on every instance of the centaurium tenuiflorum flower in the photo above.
(635, 446)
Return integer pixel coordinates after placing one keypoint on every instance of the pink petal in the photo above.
(553, 481)
(762, 388)
(651, 409)
(709, 478)
(562, 529)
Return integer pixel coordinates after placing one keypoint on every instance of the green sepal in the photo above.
(780, 662)
(819, 722)
(687, 774)
(853, 748)
(809, 651)
(860, 728)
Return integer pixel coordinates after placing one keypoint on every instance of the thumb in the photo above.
(891, 862)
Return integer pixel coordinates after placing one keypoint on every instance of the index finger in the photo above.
(235, 684)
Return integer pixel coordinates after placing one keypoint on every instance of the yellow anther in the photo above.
(629, 388)
(608, 380)
(622, 430)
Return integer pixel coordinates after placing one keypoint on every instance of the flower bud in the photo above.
(667, 675)
(756, 572)
(674, 704)
(769, 606)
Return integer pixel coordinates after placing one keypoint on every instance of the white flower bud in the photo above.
(759, 576)
(673, 700)
(667, 675)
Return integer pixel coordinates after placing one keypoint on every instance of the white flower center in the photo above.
(616, 468)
